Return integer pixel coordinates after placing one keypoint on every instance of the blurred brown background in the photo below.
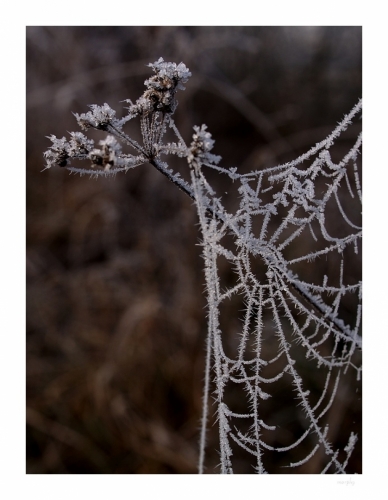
(116, 320)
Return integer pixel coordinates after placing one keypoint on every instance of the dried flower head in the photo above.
(99, 117)
(59, 152)
(201, 146)
(161, 88)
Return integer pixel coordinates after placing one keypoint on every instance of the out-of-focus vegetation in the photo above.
(116, 320)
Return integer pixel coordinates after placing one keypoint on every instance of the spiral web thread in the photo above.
(292, 248)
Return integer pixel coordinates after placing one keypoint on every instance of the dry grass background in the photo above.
(116, 321)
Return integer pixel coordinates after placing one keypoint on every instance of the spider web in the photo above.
(292, 251)
(283, 280)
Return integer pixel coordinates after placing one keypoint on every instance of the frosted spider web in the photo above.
(290, 328)
(283, 279)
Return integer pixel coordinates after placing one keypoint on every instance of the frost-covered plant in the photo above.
(281, 223)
